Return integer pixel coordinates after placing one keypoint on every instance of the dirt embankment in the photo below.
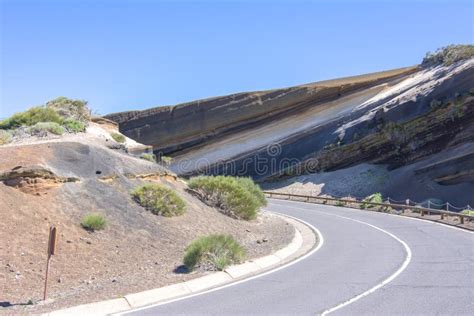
(57, 183)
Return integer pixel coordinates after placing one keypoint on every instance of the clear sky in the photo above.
(124, 55)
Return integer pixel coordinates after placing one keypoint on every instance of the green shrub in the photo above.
(254, 189)
(93, 222)
(236, 197)
(74, 126)
(69, 108)
(43, 128)
(340, 203)
(468, 212)
(374, 198)
(166, 160)
(31, 117)
(149, 157)
(159, 200)
(213, 252)
(448, 55)
(5, 137)
(119, 138)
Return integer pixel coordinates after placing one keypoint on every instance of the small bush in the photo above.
(93, 222)
(448, 55)
(31, 117)
(254, 189)
(43, 128)
(213, 252)
(70, 109)
(74, 126)
(119, 138)
(237, 197)
(166, 160)
(374, 198)
(159, 200)
(340, 203)
(468, 212)
(149, 157)
(5, 137)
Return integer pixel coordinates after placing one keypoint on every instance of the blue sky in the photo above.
(124, 55)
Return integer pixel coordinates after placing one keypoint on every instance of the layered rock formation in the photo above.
(175, 129)
(395, 118)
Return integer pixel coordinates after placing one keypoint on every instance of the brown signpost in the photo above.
(51, 251)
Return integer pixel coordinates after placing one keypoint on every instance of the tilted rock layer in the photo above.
(394, 118)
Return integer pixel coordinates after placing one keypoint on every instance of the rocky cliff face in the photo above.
(176, 129)
(395, 118)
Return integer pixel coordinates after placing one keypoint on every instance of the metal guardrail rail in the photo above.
(423, 210)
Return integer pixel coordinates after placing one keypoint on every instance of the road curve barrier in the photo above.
(384, 206)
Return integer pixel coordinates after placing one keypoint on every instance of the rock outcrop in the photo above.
(176, 129)
(394, 118)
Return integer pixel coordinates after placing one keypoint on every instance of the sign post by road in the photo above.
(51, 251)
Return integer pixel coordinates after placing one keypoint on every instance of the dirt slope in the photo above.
(63, 179)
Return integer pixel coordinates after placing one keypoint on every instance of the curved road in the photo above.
(369, 263)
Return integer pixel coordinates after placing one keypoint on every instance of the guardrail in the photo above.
(423, 210)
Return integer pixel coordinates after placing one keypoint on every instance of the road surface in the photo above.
(369, 264)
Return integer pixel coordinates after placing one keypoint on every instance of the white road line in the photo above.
(404, 265)
(384, 282)
(320, 244)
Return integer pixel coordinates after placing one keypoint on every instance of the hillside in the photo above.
(403, 121)
(57, 180)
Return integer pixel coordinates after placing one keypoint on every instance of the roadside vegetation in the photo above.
(5, 137)
(55, 117)
(373, 198)
(448, 55)
(149, 157)
(119, 138)
(239, 198)
(468, 212)
(74, 126)
(166, 160)
(43, 128)
(93, 222)
(213, 252)
(159, 200)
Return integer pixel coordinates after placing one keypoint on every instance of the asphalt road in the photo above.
(370, 263)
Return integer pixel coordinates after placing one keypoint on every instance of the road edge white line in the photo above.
(320, 244)
(404, 265)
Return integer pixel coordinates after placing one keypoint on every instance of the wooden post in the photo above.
(51, 251)
(422, 213)
(461, 218)
(442, 216)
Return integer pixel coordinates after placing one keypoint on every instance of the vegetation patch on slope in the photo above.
(93, 222)
(55, 117)
(159, 200)
(213, 252)
(448, 55)
(236, 197)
